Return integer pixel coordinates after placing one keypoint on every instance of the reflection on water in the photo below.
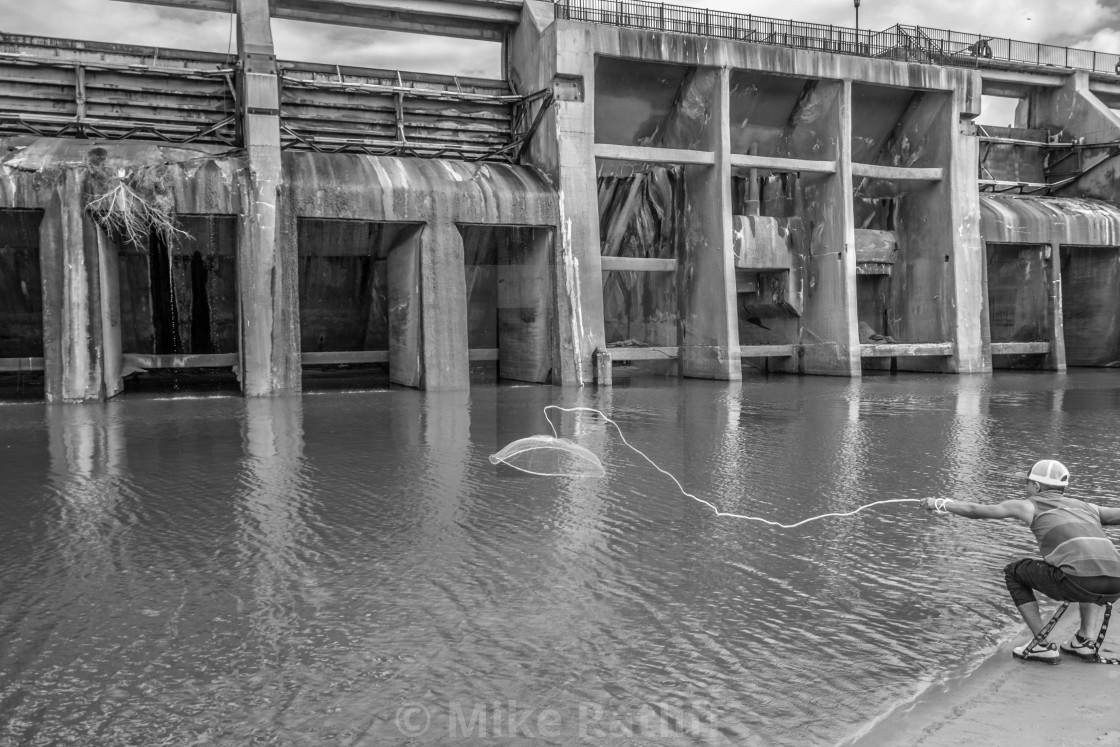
(350, 569)
(274, 549)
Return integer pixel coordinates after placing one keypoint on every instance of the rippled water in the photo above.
(350, 569)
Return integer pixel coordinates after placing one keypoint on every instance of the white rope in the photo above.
(940, 503)
(710, 505)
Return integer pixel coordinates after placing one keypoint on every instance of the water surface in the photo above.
(349, 569)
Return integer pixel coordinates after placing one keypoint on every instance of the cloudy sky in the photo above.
(1087, 24)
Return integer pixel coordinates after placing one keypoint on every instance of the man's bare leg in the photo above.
(1033, 618)
(1090, 620)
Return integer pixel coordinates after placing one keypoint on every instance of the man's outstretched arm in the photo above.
(1013, 509)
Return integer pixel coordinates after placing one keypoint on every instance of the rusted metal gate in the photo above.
(63, 88)
(382, 112)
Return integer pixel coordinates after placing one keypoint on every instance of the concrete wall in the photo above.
(720, 97)
(1072, 112)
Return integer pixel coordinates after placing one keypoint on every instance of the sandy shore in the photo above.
(1009, 702)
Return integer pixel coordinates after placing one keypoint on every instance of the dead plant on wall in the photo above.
(131, 200)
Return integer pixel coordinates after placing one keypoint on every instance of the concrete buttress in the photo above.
(72, 326)
(709, 322)
(830, 340)
(267, 304)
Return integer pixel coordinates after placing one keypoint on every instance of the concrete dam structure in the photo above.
(648, 189)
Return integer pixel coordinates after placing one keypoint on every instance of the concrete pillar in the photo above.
(406, 365)
(110, 306)
(940, 296)
(961, 225)
(830, 334)
(1056, 360)
(579, 269)
(72, 339)
(709, 346)
(604, 371)
(985, 308)
(268, 308)
(443, 301)
(545, 56)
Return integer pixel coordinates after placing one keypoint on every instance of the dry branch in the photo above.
(133, 201)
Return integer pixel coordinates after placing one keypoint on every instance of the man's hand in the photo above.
(1013, 509)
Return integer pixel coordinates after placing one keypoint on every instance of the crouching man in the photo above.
(1080, 563)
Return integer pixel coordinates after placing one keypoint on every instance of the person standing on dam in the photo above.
(1080, 563)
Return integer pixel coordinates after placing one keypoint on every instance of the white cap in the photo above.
(1049, 472)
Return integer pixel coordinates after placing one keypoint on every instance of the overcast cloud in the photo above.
(1089, 24)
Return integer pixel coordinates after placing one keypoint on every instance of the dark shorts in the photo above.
(1024, 577)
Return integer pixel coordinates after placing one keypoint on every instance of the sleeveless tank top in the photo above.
(1070, 537)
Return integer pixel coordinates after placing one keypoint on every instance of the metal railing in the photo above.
(899, 42)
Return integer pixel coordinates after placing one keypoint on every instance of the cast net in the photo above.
(550, 456)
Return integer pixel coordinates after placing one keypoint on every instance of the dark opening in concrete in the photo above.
(21, 305)
(780, 115)
(165, 333)
(876, 253)
(880, 116)
(873, 302)
(346, 280)
(640, 219)
(1018, 299)
(509, 276)
(770, 244)
(892, 219)
(1091, 304)
(178, 301)
(878, 213)
(635, 100)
